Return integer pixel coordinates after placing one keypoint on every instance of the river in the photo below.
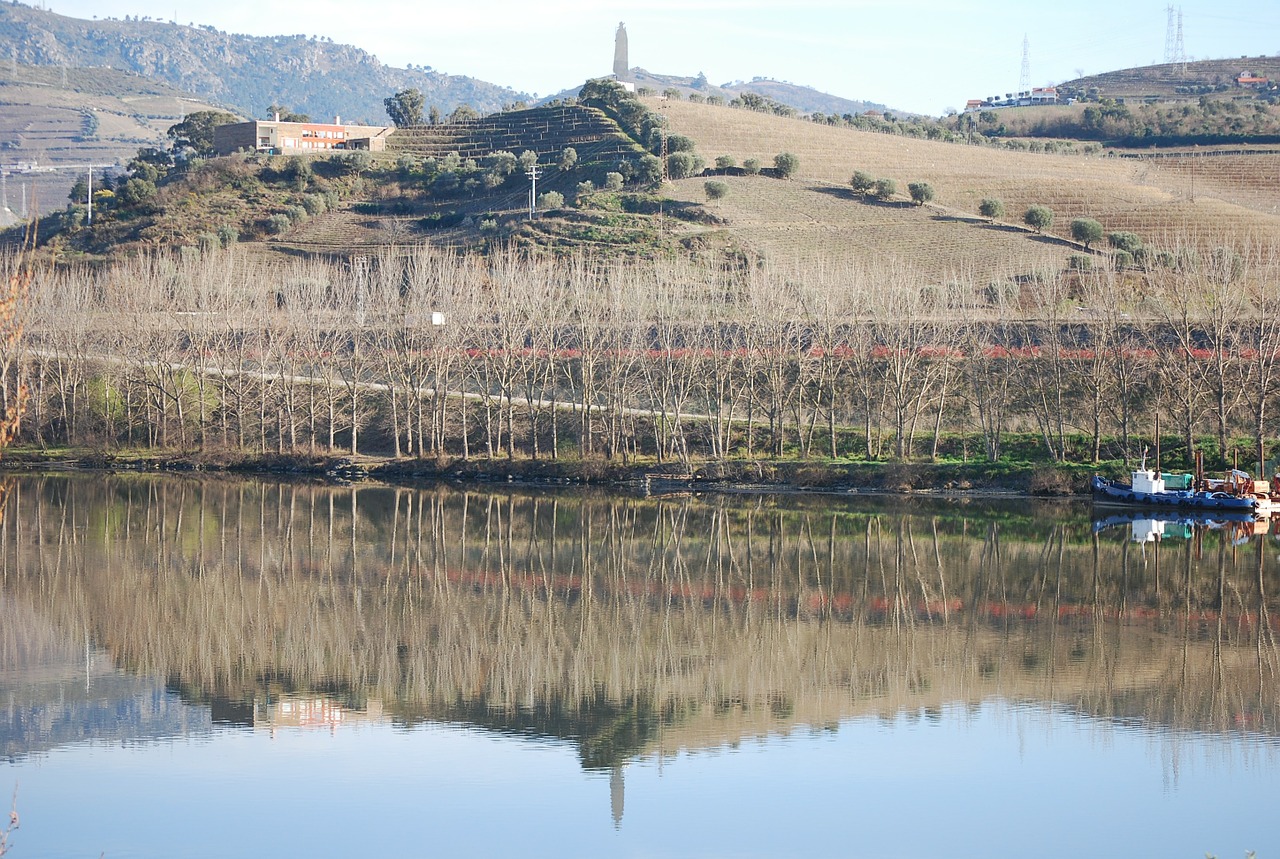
(196, 667)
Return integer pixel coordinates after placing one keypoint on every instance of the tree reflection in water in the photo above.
(633, 625)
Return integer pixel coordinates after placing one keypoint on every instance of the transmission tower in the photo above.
(1179, 53)
(1173, 49)
(1024, 82)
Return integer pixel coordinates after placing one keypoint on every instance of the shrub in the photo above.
(1080, 262)
(1122, 240)
(679, 143)
(716, 190)
(680, 165)
(296, 172)
(725, 162)
(1086, 231)
(1039, 218)
(649, 170)
(921, 192)
(314, 204)
(137, 191)
(1002, 292)
(786, 164)
(277, 224)
(208, 242)
(613, 181)
(1122, 260)
(550, 200)
(295, 214)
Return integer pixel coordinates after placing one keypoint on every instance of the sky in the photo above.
(923, 56)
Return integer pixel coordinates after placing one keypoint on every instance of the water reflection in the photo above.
(147, 607)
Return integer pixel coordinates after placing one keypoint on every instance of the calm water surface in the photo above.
(201, 668)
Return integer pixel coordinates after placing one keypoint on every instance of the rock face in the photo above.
(621, 62)
(245, 73)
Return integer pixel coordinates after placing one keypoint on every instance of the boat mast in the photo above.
(1158, 474)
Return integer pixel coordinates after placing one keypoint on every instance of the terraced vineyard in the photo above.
(795, 223)
(1121, 193)
(546, 131)
(1245, 177)
(53, 116)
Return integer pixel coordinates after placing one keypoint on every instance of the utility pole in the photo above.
(533, 172)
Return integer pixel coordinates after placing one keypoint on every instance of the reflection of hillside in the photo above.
(638, 625)
(53, 693)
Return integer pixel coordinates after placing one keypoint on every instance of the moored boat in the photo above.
(1147, 488)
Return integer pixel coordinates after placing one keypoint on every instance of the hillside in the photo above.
(59, 116)
(1203, 201)
(247, 73)
(1175, 80)
(464, 185)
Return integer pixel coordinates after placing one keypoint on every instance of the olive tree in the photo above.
(1039, 218)
(716, 190)
(786, 164)
(862, 182)
(884, 189)
(1086, 231)
(1122, 240)
(921, 192)
(991, 208)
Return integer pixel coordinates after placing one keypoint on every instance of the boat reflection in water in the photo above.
(626, 632)
(1147, 526)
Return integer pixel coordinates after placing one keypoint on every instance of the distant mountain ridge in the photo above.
(245, 73)
(804, 99)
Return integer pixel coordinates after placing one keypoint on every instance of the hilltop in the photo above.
(61, 116)
(1175, 81)
(804, 99)
(246, 73)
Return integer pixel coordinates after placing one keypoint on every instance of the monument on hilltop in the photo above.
(621, 68)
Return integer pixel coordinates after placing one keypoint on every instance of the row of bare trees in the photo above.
(427, 353)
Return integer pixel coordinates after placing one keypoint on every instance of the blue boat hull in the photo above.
(1111, 492)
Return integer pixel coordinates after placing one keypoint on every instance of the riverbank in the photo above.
(974, 477)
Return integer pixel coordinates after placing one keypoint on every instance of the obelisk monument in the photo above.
(621, 68)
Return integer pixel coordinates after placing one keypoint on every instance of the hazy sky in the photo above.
(917, 55)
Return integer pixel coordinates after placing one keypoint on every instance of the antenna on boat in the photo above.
(1158, 474)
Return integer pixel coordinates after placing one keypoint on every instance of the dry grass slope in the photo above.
(1154, 200)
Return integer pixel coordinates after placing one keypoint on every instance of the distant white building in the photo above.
(1026, 98)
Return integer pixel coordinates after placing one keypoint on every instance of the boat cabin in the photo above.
(1146, 480)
